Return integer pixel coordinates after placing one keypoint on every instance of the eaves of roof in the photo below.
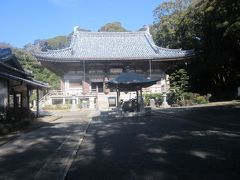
(33, 83)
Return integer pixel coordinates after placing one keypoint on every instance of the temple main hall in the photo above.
(94, 58)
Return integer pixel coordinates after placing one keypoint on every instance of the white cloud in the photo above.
(68, 3)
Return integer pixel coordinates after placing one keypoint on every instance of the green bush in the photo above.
(187, 99)
(201, 100)
(172, 98)
(57, 107)
(156, 96)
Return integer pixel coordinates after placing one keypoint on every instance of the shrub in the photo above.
(172, 98)
(156, 96)
(201, 100)
(187, 99)
(57, 107)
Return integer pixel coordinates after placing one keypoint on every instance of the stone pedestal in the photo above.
(91, 103)
(74, 106)
(165, 104)
(152, 103)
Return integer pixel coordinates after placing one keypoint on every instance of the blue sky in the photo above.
(23, 21)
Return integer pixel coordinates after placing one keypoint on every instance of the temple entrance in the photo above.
(94, 86)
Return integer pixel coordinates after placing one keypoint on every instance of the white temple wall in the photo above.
(73, 84)
(85, 87)
(72, 89)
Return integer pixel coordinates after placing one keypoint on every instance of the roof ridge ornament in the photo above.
(75, 29)
(147, 29)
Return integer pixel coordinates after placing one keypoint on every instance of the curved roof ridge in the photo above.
(149, 38)
(53, 51)
(112, 45)
(59, 50)
(175, 50)
(108, 34)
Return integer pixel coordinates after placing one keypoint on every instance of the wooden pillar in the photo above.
(141, 105)
(117, 97)
(28, 98)
(8, 94)
(37, 102)
(137, 101)
(150, 69)
(141, 97)
(97, 106)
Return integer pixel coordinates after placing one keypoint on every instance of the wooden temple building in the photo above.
(16, 86)
(93, 58)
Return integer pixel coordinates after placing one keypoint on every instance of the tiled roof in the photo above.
(111, 46)
(5, 53)
(16, 72)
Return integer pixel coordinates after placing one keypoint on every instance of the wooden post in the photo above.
(28, 98)
(8, 94)
(97, 106)
(141, 105)
(37, 102)
(137, 101)
(117, 97)
(150, 68)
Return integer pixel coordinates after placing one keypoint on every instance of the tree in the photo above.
(212, 28)
(179, 81)
(218, 24)
(112, 27)
(168, 16)
(39, 72)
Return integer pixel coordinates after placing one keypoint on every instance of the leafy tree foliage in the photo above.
(112, 27)
(212, 28)
(168, 16)
(40, 73)
(179, 81)
(58, 42)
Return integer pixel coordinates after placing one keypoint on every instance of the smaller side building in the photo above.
(16, 86)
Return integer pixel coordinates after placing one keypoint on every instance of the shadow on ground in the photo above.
(23, 157)
(200, 143)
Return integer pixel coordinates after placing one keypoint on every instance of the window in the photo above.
(19, 100)
(96, 85)
(11, 100)
(68, 101)
(111, 101)
(15, 100)
(57, 101)
(116, 70)
(99, 71)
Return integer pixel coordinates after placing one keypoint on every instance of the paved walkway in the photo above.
(188, 144)
(34, 124)
(171, 144)
(46, 152)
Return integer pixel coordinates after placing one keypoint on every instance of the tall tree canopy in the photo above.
(212, 28)
(168, 16)
(40, 73)
(112, 27)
